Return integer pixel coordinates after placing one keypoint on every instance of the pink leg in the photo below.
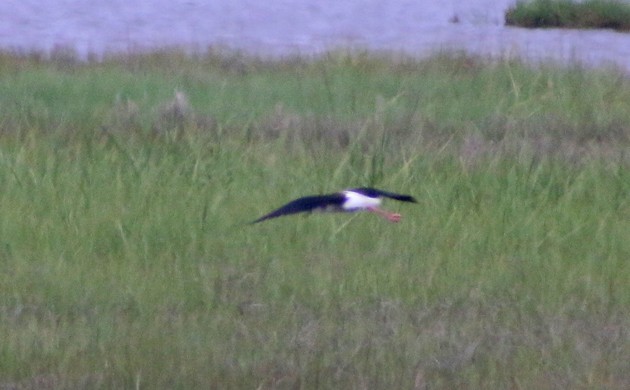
(391, 217)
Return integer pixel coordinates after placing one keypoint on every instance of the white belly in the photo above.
(355, 201)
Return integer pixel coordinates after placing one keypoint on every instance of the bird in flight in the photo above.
(356, 199)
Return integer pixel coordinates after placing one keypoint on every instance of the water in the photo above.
(282, 27)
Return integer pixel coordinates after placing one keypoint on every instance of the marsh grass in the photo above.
(612, 14)
(126, 259)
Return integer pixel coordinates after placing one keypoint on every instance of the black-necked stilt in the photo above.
(356, 199)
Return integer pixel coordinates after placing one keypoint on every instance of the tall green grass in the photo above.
(127, 185)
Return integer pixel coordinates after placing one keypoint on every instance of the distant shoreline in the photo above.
(590, 14)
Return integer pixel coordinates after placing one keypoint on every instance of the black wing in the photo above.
(306, 204)
(374, 193)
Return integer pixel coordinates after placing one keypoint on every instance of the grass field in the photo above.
(126, 260)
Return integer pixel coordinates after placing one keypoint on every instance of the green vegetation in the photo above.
(126, 261)
(613, 14)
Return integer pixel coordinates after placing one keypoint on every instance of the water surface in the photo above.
(282, 27)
